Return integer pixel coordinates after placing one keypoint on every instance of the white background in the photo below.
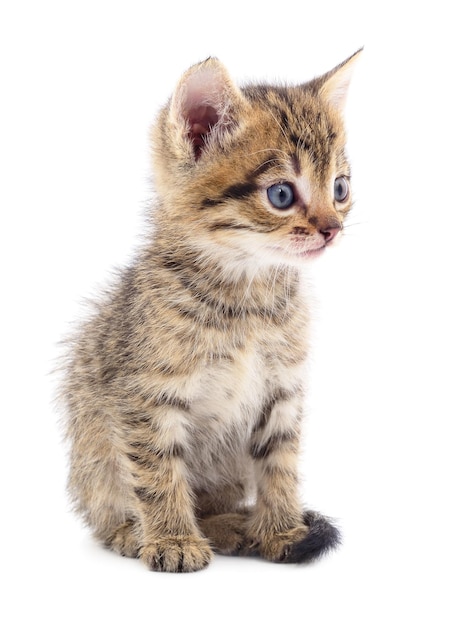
(80, 84)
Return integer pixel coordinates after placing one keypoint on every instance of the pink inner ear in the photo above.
(201, 120)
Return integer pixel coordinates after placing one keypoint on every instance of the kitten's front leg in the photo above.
(279, 530)
(170, 541)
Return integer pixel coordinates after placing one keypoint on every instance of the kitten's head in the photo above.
(254, 175)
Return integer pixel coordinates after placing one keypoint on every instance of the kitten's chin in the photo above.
(295, 255)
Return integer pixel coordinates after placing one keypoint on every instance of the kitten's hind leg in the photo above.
(225, 531)
(125, 539)
(223, 519)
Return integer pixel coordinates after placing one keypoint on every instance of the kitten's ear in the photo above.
(335, 84)
(205, 104)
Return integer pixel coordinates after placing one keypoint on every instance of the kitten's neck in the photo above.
(232, 284)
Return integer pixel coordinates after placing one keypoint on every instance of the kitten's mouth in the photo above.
(310, 254)
(300, 252)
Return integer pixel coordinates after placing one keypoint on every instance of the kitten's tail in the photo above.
(322, 537)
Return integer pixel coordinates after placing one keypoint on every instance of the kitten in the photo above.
(184, 390)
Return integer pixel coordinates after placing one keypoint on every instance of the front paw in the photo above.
(302, 544)
(277, 547)
(177, 554)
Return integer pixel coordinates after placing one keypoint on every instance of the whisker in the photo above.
(352, 225)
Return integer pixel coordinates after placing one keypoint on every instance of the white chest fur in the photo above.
(228, 397)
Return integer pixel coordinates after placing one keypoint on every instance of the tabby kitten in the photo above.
(184, 390)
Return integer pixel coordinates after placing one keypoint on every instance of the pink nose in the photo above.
(330, 233)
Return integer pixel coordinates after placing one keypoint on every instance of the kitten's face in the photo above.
(260, 180)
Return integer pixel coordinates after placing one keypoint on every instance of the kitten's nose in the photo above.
(330, 233)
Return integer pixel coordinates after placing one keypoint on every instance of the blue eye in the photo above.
(281, 196)
(341, 189)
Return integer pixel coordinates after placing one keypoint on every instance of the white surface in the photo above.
(81, 82)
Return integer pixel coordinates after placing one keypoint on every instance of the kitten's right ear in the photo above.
(205, 105)
(335, 84)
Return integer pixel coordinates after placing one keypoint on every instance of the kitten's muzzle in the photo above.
(328, 230)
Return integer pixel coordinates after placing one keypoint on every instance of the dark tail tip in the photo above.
(322, 537)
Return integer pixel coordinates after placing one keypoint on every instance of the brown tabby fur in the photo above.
(184, 389)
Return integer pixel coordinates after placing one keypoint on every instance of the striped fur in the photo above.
(184, 390)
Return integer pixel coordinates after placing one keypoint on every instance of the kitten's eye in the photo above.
(281, 196)
(341, 189)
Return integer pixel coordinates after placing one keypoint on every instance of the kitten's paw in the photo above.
(305, 543)
(124, 540)
(177, 554)
(278, 547)
(226, 531)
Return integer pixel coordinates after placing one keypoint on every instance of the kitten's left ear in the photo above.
(335, 84)
(205, 105)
